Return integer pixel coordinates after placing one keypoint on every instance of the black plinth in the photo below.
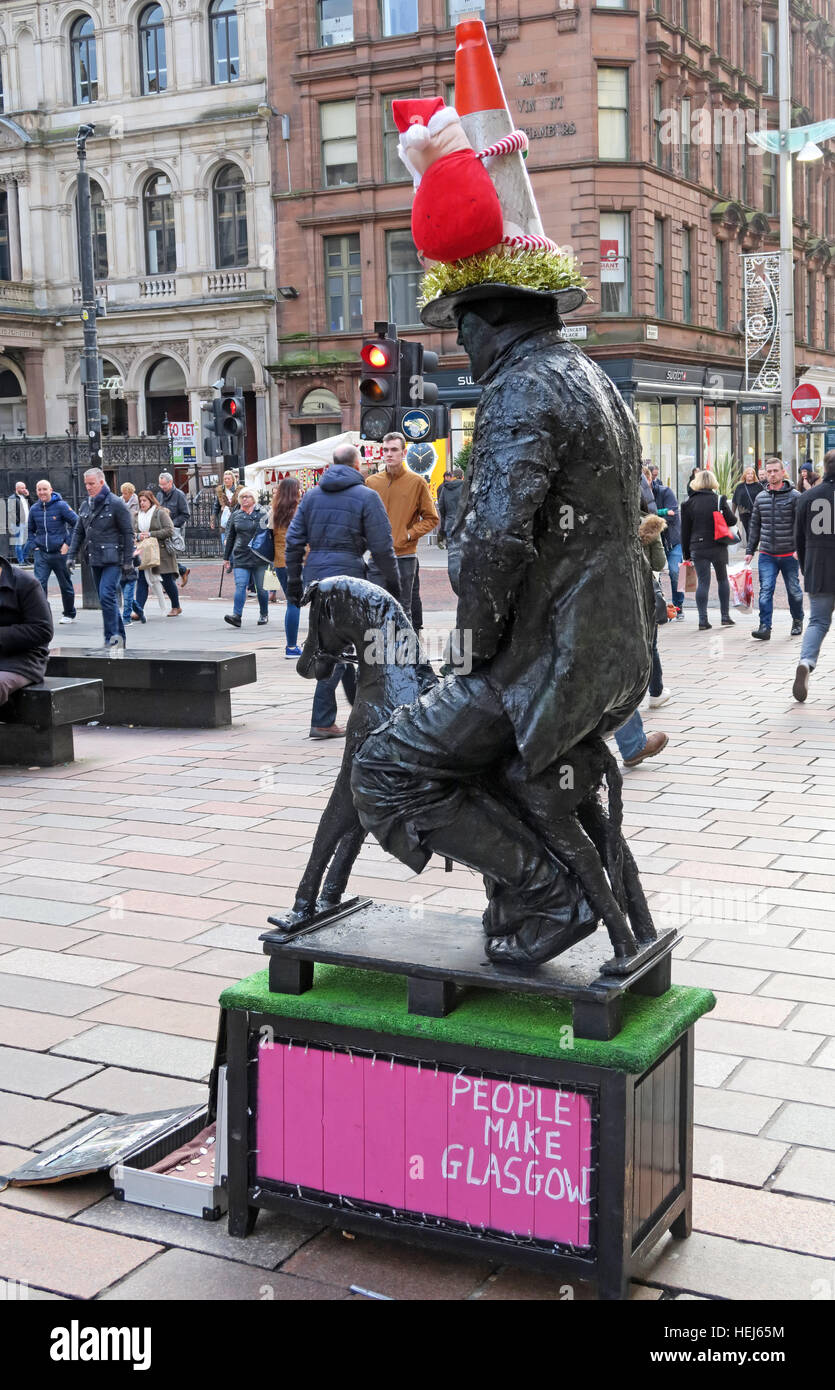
(36, 723)
(179, 690)
(442, 954)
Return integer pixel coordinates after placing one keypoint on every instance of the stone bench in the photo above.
(167, 690)
(36, 723)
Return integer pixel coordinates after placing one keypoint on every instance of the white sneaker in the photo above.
(655, 701)
(65, 619)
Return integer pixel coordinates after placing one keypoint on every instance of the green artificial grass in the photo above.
(526, 1023)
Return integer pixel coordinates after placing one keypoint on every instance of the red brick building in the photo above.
(636, 118)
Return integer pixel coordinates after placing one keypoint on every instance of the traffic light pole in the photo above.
(90, 351)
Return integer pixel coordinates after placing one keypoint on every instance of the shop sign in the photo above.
(612, 263)
(753, 407)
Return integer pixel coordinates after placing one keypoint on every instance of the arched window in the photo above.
(85, 84)
(223, 17)
(160, 236)
(153, 67)
(99, 229)
(230, 217)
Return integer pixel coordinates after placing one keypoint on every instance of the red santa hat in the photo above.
(417, 121)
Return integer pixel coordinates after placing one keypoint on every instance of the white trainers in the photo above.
(65, 619)
(656, 701)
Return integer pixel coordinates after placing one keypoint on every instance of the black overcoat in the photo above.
(815, 537)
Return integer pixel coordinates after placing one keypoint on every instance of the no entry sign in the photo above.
(806, 403)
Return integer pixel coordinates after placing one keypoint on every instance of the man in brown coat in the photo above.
(411, 511)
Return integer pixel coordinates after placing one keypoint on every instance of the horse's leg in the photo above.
(338, 819)
(594, 821)
(341, 865)
(568, 841)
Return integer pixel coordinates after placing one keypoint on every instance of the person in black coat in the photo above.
(773, 530)
(700, 547)
(745, 495)
(104, 532)
(815, 539)
(25, 630)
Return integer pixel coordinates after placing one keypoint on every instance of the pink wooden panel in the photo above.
(385, 1132)
(557, 1204)
(427, 1105)
(342, 1120)
(270, 1126)
(515, 1163)
(583, 1232)
(303, 1116)
(468, 1195)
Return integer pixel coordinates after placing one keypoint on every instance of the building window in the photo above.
(153, 68)
(160, 235)
(770, 184)
(459, 10)
(658, 262)
(336, 22)
(669, 437)
(612, 113)
(339, 143)
(743, 173)
(685, 15)
(399, 17)
(811, 102)
(827, 207)
(230, 217)
(223, 17)
(810, 307)
(686, 143)
(657, 122)
(2, 99)
(99, 228)
(807, 194)
(687, 274)
(612, 4)
(5, 248)
(394, 170)
(404, 271)
(718, 171)
(769, 53)
(85, 85)
(615, 284)
(719, 282)
(344, 283)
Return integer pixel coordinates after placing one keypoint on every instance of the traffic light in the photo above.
(419, 417)
(230, 422)
(380, 385)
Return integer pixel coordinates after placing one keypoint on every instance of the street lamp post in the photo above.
(90, 351)
(787, 436)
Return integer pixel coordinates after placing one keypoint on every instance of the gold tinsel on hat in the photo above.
(531, 270)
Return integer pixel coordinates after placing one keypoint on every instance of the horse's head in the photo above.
(342, 611)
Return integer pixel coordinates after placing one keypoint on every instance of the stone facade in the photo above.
(194, 318)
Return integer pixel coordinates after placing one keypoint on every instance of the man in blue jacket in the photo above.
(104, 531)
(51, 524)
(339, 520)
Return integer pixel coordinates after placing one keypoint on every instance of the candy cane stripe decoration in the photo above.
(530, 243)
(517, 140)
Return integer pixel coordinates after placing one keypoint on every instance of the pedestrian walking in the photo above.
(702, 545)
(339, 521)
(815, 539)
(176, 504)
(104, 534)
(227, 493)
(17, 520)
(411, 512)
(670, 512)
(284, 505)
(650, 532)
(745, 495)
(51, 525)
(807, 478)
(154, 524)
(25, 630)
(244, 525)
(127, 491)
(773, 530)
(647, 493)
(449, 497)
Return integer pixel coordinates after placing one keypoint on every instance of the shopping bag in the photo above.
(691, 579)
(149, 553)
(270, 581)
(741, 581)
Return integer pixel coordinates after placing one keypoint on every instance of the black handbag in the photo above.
(661, 615)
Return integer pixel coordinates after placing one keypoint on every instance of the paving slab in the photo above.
(398, 1271)
(810, 1171)
(726, 1156)
(156, 1015)
(61, 966)
(58, 1199)
(122, 1092)
(781, 1079)
(747, 1040)
(48, 996)
(810, 1125)
(723, 1268)
(186, 1275)
(37, 1032)
(24, 1120)
(765, 1218)
(37, 1073)
(141, 1049)
(63, 1258)
(732, 1110)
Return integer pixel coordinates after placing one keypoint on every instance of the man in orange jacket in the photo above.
(411, 511)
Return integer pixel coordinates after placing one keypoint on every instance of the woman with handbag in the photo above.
(157, 556)
(285, 501)
(706, 522)
(248, 526)
(745, 495)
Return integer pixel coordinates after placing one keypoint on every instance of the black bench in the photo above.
(161, 689)
(36, 723)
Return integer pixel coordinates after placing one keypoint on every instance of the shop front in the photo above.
(458, 391)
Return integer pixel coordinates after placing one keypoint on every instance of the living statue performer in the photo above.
(554, 595)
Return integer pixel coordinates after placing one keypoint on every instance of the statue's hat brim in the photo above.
(444, 311)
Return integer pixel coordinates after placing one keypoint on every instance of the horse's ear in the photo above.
(310, 592)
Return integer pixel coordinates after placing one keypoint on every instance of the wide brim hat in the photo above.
(444, 311)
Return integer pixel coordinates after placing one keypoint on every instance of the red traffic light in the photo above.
(232, 407)
(377, 355)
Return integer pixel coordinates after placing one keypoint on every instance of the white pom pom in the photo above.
(417, 136)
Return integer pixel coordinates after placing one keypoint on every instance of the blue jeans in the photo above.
(323, 714)
(242, 578)
(630, 737)
(106, 579)
(128, 592)
(769, 568)
(820, 617)
(20, 552)
(673, 565)
(292, 613)
(53, 562)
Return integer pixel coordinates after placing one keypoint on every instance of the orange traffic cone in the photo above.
(481, 104)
